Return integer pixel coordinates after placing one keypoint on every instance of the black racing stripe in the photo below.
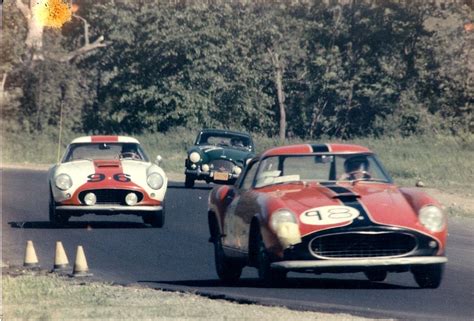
(348, 198)
(320, 148)
(340, 190)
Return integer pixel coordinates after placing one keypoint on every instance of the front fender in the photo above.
(418, 199)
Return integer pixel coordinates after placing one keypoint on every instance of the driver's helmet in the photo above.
(236, 142)
(356, 163)
(129, 148)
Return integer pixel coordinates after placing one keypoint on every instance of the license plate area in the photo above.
(221, 176)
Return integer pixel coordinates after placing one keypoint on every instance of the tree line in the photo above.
(288, 68)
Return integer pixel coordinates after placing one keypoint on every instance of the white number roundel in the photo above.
(327, 215)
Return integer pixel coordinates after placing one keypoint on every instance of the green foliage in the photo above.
(349, 70)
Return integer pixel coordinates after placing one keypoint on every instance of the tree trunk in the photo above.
(2, 87)
(281, 102)
(279, 70)
(34, 39)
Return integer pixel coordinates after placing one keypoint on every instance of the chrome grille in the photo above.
(222, 165)
(110, 196)
(362, 244)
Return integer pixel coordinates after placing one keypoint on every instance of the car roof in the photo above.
(315, 148)
(105, 139)
(223, 131)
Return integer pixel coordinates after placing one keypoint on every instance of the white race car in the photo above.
(106, 175)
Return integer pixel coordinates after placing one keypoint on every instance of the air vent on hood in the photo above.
(107, 164)
(340, 191)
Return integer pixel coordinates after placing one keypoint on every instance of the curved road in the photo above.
(121, 249)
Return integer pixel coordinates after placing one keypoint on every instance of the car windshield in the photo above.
(224, 140)
(104, 151)
(320, 168)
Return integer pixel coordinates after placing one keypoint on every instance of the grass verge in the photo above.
(49, 297)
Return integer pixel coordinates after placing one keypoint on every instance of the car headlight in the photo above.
(286, 227)
(155, 180)
(194, 157)
(432, 218)
(63, 182)
(131, 199)
(205, 168)
(237, 170)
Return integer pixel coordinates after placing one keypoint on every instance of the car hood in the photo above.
(84, 168)
(319, 207)
(210, 152)
(95, 174)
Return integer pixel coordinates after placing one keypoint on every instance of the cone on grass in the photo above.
(61, 262)
(80, 265)
(31, 260)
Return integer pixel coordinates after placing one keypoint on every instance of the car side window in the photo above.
(249, 176)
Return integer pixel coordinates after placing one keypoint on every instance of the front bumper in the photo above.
(358, 264)
(107, 209)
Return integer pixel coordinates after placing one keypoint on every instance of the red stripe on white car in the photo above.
(104, 139)
(110, 169)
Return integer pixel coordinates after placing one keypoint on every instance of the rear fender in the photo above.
(216, 210)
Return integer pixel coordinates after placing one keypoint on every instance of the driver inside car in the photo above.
(356, 167)
(236, 142)
(129, 151)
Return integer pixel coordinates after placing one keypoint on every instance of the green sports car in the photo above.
(218, 156)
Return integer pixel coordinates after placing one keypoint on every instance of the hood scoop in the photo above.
(341, 192)
(110, 163)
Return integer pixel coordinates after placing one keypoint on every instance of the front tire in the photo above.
(267, 275)
(428, 276)
(376, 275)
(189, 181)
(56, 219)
(156, 219)
(227, 271)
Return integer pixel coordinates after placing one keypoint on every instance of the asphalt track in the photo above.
(121, 249)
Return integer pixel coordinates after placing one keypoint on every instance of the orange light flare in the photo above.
(52, 13)
(74, 8)
(468, 27)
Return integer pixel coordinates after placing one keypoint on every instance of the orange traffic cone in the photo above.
(61, 262)
(31, 260)
(80, 265)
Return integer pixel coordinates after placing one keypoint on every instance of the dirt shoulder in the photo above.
(451, 199)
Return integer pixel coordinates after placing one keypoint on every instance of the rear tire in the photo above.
(189, 182)
(228, 271)
(267, 275)
(428, 276)
(376, 275)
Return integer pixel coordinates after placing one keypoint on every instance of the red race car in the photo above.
(325, 208)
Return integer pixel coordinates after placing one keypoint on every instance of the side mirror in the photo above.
(158, 159)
